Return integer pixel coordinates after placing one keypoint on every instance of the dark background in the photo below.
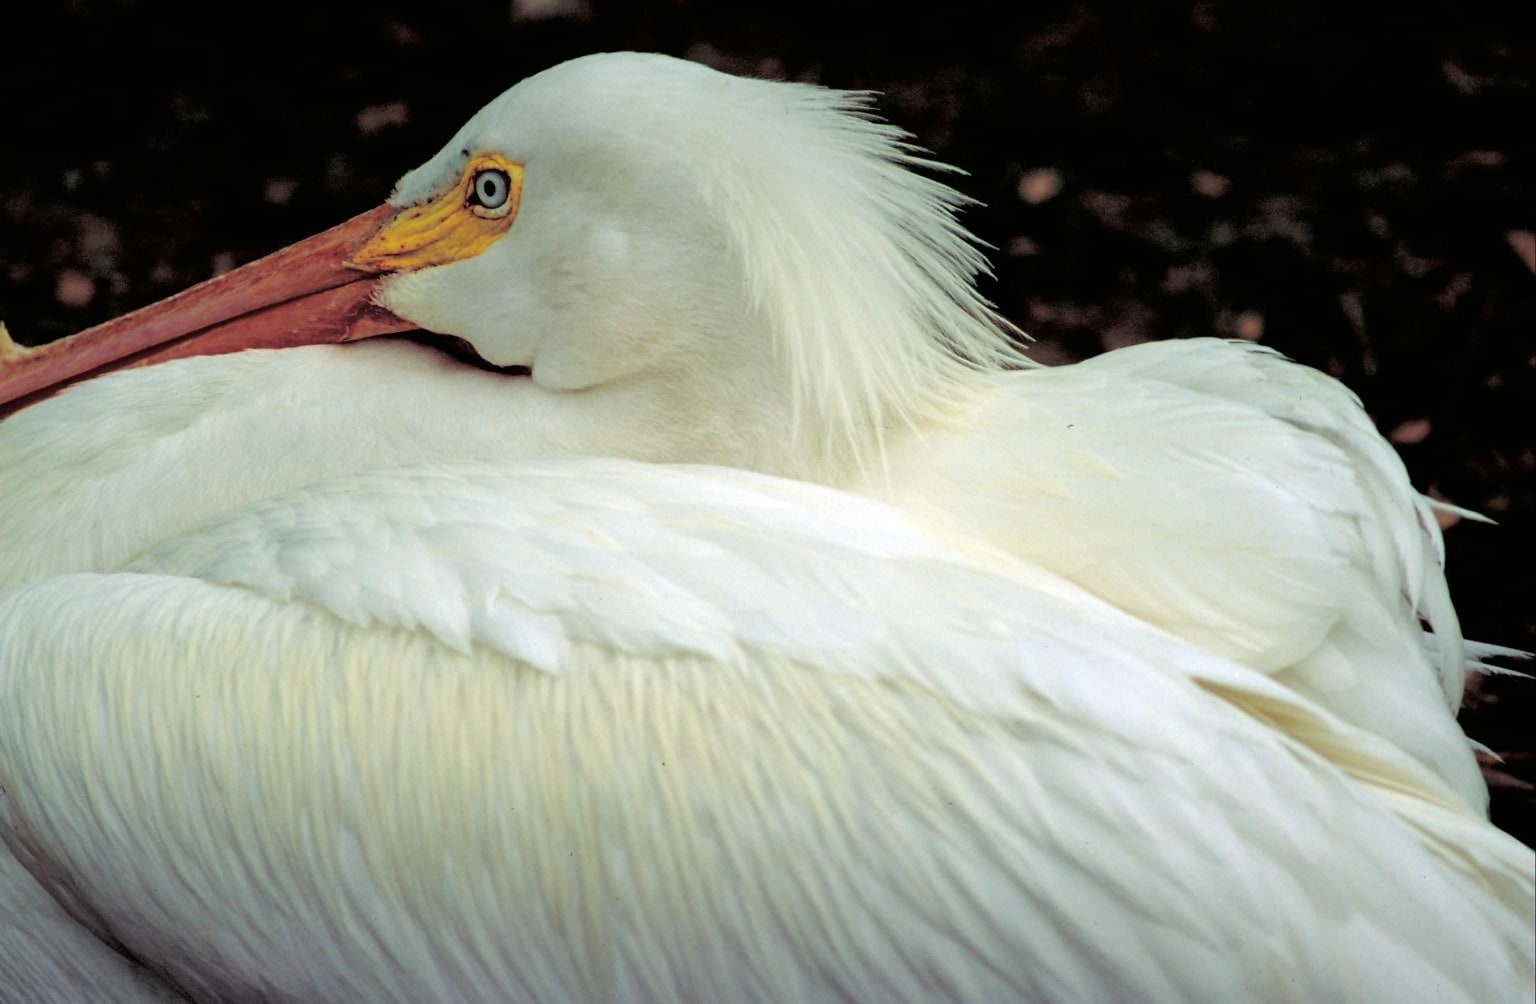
(1346, 183)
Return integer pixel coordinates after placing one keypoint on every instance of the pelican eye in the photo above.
(490, 192)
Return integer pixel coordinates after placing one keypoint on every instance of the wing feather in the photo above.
(1234, 498)
(265, 782)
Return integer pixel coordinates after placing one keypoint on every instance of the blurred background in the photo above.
(1350, 184)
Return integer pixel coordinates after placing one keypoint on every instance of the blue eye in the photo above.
(490, 188)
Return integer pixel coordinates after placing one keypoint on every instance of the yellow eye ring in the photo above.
(491, 186)
(459, 223)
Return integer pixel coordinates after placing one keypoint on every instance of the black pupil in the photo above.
(488, 188)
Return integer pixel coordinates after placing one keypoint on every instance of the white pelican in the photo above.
(666, 263)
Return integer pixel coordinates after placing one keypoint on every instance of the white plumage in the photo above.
(577, 729)
(587, 730)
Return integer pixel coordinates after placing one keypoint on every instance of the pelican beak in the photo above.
(309, 293)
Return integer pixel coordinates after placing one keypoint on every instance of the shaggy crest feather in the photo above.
(846, 239)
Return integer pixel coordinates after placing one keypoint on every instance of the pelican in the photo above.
(1202, 562)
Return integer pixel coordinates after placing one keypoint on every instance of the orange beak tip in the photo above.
(11, 351)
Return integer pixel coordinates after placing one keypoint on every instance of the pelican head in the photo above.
(762, 249)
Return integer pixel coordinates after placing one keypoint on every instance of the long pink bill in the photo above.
(302, 295)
